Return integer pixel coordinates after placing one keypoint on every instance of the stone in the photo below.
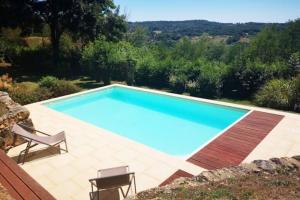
(296, 158)
(14, 113)
(265, 165)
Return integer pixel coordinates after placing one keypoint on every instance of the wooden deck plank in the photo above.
(176, 175)
(18, 183)
(12, 192)
(233, 146)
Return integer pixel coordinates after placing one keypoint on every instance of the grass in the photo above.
(245, 102)
(86, 83)
(83, 82)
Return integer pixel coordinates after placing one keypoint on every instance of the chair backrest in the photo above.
(18, 130)
(113, 171)
(113, 182)
(113, 177)
(40, 139)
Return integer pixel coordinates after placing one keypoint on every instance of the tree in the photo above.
(294, 62)
(22, 16)
(86, 17)
(105, 59)
(290, 39)
(138, 37)
(265, 46)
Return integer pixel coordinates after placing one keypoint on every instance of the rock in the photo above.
(14, 113)
(265, 165)
(296, 158)
(289, 164)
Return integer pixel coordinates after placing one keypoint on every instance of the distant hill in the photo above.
(191, 28)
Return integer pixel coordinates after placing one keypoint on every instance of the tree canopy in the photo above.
(86, 19)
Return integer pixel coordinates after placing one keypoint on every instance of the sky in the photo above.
(213, 10)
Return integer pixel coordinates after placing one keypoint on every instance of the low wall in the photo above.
(11, 113)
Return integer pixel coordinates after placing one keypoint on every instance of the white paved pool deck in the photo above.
(91, 148)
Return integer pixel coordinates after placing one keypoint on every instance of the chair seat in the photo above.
(112, 194)
(33, 139)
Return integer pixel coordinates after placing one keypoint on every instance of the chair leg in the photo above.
(123, 194)
(66, 146)
(20, 154)
(26, 151)
(134, 183)
(59, 149)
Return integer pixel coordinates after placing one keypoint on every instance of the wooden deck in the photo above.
(18, 183)
(233, 146)
(176, 175)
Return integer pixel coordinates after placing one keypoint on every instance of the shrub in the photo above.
(178, 83)
(277, 93)
(49, 82)
(66, 43)
(104, 59)
(25, 93)
(245, 79)
(192, 88)
(11, 34)
(31, 59)
(64, 88)
(58, 87)
(297, 106)
(210, 81)
(180, 75)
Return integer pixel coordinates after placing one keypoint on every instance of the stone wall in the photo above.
(11, 113)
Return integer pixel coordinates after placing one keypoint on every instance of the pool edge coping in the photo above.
(248, 109)
(180, 96)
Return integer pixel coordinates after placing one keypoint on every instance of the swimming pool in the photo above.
(174, 125)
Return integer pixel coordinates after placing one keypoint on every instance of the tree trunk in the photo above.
(55, 34)
(55, 37)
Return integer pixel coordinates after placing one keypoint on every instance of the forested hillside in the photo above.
(174, 30)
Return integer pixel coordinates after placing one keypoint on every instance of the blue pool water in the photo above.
(176, 126)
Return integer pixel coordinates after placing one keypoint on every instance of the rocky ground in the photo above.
(272, 179)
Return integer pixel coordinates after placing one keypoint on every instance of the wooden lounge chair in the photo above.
(34, 140)
(112, 179)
